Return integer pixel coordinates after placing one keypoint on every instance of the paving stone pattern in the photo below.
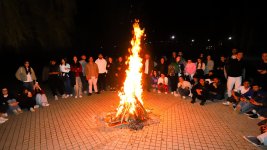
(76, 124)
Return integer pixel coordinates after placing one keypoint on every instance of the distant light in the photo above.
(173, 37)
(193, 40)
(208, 40)
(229, 38)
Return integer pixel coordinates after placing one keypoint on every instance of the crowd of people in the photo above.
(197, 79)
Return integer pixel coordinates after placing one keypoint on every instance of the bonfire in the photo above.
(131, 110)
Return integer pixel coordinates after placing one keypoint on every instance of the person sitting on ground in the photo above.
(200, 91)
(256, 101)
(27, 101)
(3, 104)
(260, 140)
(12, 103)
(209, 77)
(183, 87)
(154, 81)
(163, 84)
(3, 109)
(243, 91)
(40, 96)
(216, 89)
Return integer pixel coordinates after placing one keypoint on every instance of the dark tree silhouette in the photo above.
(48, 23)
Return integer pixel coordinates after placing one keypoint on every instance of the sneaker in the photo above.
(36, 106)
(3, 119)
(190, 95)
(166, 92)
(71, 95)
(262, 118)
(4, 115)
(80, 96)
(63, 96)
(67, 95)
(56, 98)
(253, 140)
(249, 113)
(226, 103)
(254, 116)
(19, 110)
(234, 107)
(159, 92)
(76, 97)
(172, 92)
(183, 97)
(15, 112)
(176, 95)
(32, 109)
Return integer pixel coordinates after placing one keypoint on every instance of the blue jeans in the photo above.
(28, 85)
(246, 107)
(67, 85)
(13, 107)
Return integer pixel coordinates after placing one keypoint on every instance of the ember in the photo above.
(130, 110)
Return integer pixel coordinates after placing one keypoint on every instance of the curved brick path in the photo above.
(74, 124)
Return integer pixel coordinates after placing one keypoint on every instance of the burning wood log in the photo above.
(131, 107)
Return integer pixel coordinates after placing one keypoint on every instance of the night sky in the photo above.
(91, 27)
(244, 21)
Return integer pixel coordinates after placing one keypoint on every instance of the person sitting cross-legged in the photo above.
(256, 101)
(260, 140)
(243, 91)
(183, 87)
(163, 84)
(9, 102)
(216, 89)
(40, 96)
(27, 101)
(154, 81)
(200, 91)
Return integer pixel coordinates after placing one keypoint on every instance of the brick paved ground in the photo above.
(74, 124)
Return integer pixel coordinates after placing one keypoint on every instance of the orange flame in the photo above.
(132, 90)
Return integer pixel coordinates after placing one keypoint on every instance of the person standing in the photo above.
(91, 72)
(26, 75)
(83, 62)
(102, 68)
(76, 69)
(235, 71)
(54, 81)
(209, 65)
(262, 71)
(120, 73)
(66, 77)
(148, 66)
(110, 78)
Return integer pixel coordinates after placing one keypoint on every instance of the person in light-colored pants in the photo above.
(92, 82)
(263, 138)
(231, 82)
(78, 86)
